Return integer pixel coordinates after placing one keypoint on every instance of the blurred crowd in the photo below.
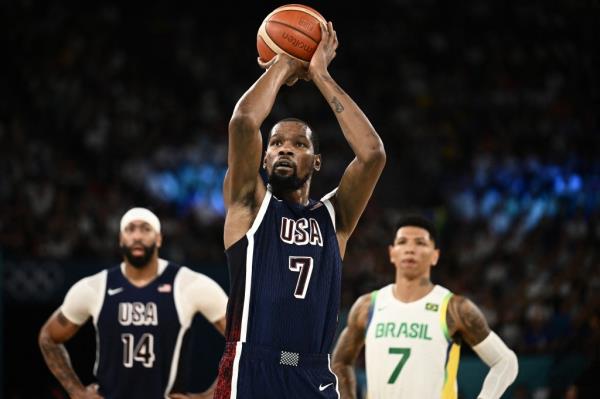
(488, 111)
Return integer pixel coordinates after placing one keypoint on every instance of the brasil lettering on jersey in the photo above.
(406, 330)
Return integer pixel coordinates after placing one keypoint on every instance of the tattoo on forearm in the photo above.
(58, 362)
(335, 85)
(337, 105)
(344, 359)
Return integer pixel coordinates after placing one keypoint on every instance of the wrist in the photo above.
(321, 77)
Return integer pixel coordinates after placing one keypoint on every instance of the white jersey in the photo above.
(408, 351)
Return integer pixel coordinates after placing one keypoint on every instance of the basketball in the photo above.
(293, 29)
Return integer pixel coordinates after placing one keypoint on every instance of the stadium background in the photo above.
(488, 111)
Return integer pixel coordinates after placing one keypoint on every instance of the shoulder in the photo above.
(191, 282)
(93, 282)
(359, 313)
(187, 275)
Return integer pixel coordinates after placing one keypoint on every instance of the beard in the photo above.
(284, 184)
(138, 261)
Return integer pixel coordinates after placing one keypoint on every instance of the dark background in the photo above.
(488, 111)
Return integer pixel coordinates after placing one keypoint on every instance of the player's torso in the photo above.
(138, 332)
(407, 347)
(285, 278)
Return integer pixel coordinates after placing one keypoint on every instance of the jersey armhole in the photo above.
(261, 213)
(371, 309)
(443, 312)
(326, 200)
(101, 292)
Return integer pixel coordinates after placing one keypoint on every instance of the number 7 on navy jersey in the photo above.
(303, 265)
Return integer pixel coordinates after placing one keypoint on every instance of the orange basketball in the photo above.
(293, 29)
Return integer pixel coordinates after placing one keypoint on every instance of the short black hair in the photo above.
(418, 220)
(314, 137)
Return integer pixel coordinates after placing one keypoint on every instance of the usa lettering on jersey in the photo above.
(138, 314)
(301, 232)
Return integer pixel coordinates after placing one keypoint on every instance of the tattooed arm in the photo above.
(351, 340)
(57, 330)
(464, 318)
(360, 177)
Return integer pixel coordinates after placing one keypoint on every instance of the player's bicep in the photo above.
(58, 328)
(470, 321)
(355, 189)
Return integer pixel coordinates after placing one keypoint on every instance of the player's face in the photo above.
(290, 159)
(413, 252)
(139, 243)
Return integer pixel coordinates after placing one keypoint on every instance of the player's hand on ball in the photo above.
(326, 51)
(296, 69)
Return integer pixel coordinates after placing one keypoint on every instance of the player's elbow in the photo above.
(513, 366)
(242, 123)
(44, 338)
(375, 156)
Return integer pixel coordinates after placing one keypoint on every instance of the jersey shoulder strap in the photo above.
(371, 309)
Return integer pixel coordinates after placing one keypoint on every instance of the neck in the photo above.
(143, 275)
(412, 289)
(299, 196)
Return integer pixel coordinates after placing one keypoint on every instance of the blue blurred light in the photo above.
(190, 186)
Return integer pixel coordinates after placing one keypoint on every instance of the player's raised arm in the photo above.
(245, 141)
(57, 330)
(348, 346)
(243, 189)
(465, 318)
(358, 181)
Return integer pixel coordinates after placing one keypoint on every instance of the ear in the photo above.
(158, 240)
(435, 258)
(264, 163)
(317, 162)
(390, 248)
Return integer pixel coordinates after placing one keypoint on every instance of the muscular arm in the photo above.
(53, 334)
(351, 340)
(243, 189)
(358, 181)
(466, 319)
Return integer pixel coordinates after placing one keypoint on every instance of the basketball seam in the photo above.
(271, 44)
(295, 8)
(294, 28)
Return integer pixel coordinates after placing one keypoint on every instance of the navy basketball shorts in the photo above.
(250, 372)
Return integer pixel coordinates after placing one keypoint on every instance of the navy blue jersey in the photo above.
(285, 278)
(139, 338)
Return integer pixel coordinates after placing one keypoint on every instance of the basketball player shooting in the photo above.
(284, 249)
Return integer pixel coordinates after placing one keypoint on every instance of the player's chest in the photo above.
(131, 308)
